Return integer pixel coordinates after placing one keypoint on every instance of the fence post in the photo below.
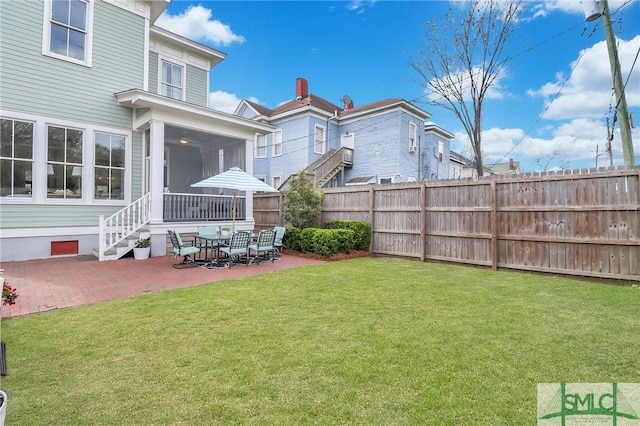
(494, 225)
(423, 222)
(371, 217)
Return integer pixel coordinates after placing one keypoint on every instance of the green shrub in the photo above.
(302, 203)
(306, 242)
(291, 238)
(327, 242)
(361, 230)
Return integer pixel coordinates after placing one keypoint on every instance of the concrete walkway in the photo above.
(48, 284)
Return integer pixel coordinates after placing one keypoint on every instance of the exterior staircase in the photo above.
(330, 164)
(119, 232)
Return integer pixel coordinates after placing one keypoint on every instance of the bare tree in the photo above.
(464, 56)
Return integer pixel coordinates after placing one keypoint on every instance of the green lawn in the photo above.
(365, 341)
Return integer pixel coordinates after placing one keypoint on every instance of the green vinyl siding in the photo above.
(197, 86)
(77, 93)
(52, 216)
(137, 165)
(153, 72)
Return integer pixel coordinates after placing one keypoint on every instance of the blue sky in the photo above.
(548, 111)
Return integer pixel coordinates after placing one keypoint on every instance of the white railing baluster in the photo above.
(122, 224)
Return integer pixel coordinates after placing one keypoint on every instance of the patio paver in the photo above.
(48, 284)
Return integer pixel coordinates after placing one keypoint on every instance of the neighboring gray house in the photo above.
(382, 142)
(105, 126)
(461, 167)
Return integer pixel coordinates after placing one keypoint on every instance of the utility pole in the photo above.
(621, 104)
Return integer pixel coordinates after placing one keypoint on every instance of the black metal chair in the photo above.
(238, 248)
(180, 249)
(265, 245)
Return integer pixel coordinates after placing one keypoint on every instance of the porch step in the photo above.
(124, 246)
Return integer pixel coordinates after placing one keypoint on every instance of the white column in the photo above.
(157, 171)
(248, 149)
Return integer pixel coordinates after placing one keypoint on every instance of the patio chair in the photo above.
(238, 248)
(180, 249)
(265, 245)
(280, 231)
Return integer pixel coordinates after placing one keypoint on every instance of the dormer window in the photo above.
(67, 30)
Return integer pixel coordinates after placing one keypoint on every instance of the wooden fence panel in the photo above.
(581, 222)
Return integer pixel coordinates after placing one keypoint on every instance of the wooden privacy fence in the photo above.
(581, 222)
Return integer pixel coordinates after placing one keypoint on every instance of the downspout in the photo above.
(420, 155)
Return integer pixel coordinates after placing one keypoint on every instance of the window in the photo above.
(276, 181)
(277, 143)
(64, 162)
(413, 142)
(109, 166)
(67, 32)
(261, 146)
(318, 146)
(386, 180)
(440, 150)
(16, 158)
(171, 80)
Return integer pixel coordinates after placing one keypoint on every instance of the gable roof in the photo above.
(312, 101)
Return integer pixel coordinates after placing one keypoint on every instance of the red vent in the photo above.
(302, 88)
(64, 247)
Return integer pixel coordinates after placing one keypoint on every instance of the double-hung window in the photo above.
(413, 139)
(261, 146)
(318, 146)
(16, 158)
(67, 32)
(277, 143)
(109, 166)
(440, 150)
(172, 80)
(64, 162)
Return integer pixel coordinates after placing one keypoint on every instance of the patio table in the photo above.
(213, 244)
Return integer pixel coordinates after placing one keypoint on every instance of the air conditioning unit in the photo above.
(412, 150)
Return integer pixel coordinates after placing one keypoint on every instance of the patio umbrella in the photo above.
(237, 179)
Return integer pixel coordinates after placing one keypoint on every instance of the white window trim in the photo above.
(172, 61)
(392, 177)
(123, 168)
(39, 176)
(413, 136)
(323, 148)
(273, 181)
(274, 144)
(31, 160)
(46, 35)
(255, 142)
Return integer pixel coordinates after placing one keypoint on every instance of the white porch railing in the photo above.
(123, 224)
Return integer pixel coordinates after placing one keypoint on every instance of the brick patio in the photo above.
(48, 284)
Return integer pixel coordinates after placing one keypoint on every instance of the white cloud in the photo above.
(545, 7)
(589, 91)
(196, 24)
(226, 102)
(571, 145)
(359, 5)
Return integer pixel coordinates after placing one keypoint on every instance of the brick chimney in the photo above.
(511, 164)
(302, 88)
